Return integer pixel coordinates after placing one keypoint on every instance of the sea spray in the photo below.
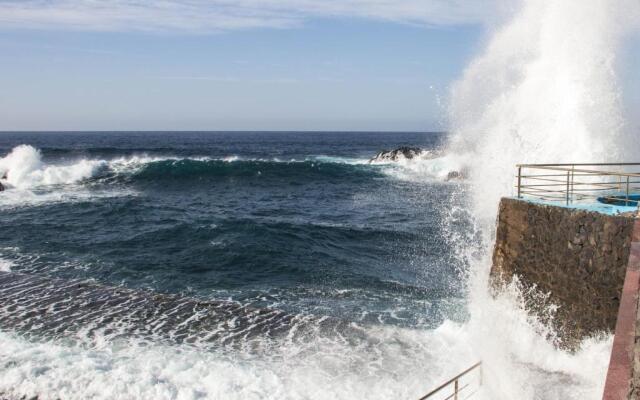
(545, 90)
(24, 169)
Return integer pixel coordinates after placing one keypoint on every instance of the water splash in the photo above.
(545, 90)
(25, 169)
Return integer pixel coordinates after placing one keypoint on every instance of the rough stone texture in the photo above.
(577, 257)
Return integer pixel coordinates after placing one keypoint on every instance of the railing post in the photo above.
(455, 390)
(519, 180)
(626, 202)
(573, 167)
(568, 180)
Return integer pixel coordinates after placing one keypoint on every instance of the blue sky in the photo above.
(68, 65)
(240, 64)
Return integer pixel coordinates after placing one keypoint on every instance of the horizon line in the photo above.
(217, 131)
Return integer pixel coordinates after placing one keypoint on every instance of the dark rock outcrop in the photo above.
(1, 187)
(404, 152)
(410, 153)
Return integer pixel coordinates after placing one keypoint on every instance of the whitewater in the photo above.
(546, 89)
(285, 266)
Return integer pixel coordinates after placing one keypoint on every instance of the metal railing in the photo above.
(617, 184)
(462, 386)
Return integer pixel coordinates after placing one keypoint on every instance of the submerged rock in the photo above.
(435, 161)
(398, 154)
(453, 175)
(4, 177)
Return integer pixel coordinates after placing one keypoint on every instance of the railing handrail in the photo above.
(580, 183)
(579, 164)
(560, 167)
(454, 379)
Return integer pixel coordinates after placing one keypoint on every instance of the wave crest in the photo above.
(23, 168)
(26, 170)
(213, 168)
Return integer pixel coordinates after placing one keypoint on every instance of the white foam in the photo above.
(24, 169)
(545, 90)
(134, 163)
(29, 180)
(18, 198)
(231, 158)
(426, 167)
(397, 363)
(5, 265)
(341, 160)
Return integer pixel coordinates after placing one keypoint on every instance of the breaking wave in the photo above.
(24, 169)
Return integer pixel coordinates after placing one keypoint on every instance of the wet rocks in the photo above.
(401, 153)
(456, 175)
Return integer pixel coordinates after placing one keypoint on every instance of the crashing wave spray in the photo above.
(24, 169)
(545, 90)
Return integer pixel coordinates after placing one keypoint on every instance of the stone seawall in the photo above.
(576, 257)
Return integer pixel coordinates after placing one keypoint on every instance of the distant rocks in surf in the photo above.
(401, 153)
(454, 175)
(407, 153)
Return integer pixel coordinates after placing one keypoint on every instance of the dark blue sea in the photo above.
(225, 265)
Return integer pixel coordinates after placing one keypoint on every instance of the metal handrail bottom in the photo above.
(455, 380)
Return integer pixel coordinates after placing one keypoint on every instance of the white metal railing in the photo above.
(460, 387)
(617, 184)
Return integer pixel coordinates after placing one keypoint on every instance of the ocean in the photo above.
(228, 265)
(261, 265)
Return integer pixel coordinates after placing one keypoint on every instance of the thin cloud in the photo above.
(225, 79)
(206, 16)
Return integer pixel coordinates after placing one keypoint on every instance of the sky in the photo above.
(232, 65)
(370, 65)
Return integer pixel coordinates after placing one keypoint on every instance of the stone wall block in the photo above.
(578, 257)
